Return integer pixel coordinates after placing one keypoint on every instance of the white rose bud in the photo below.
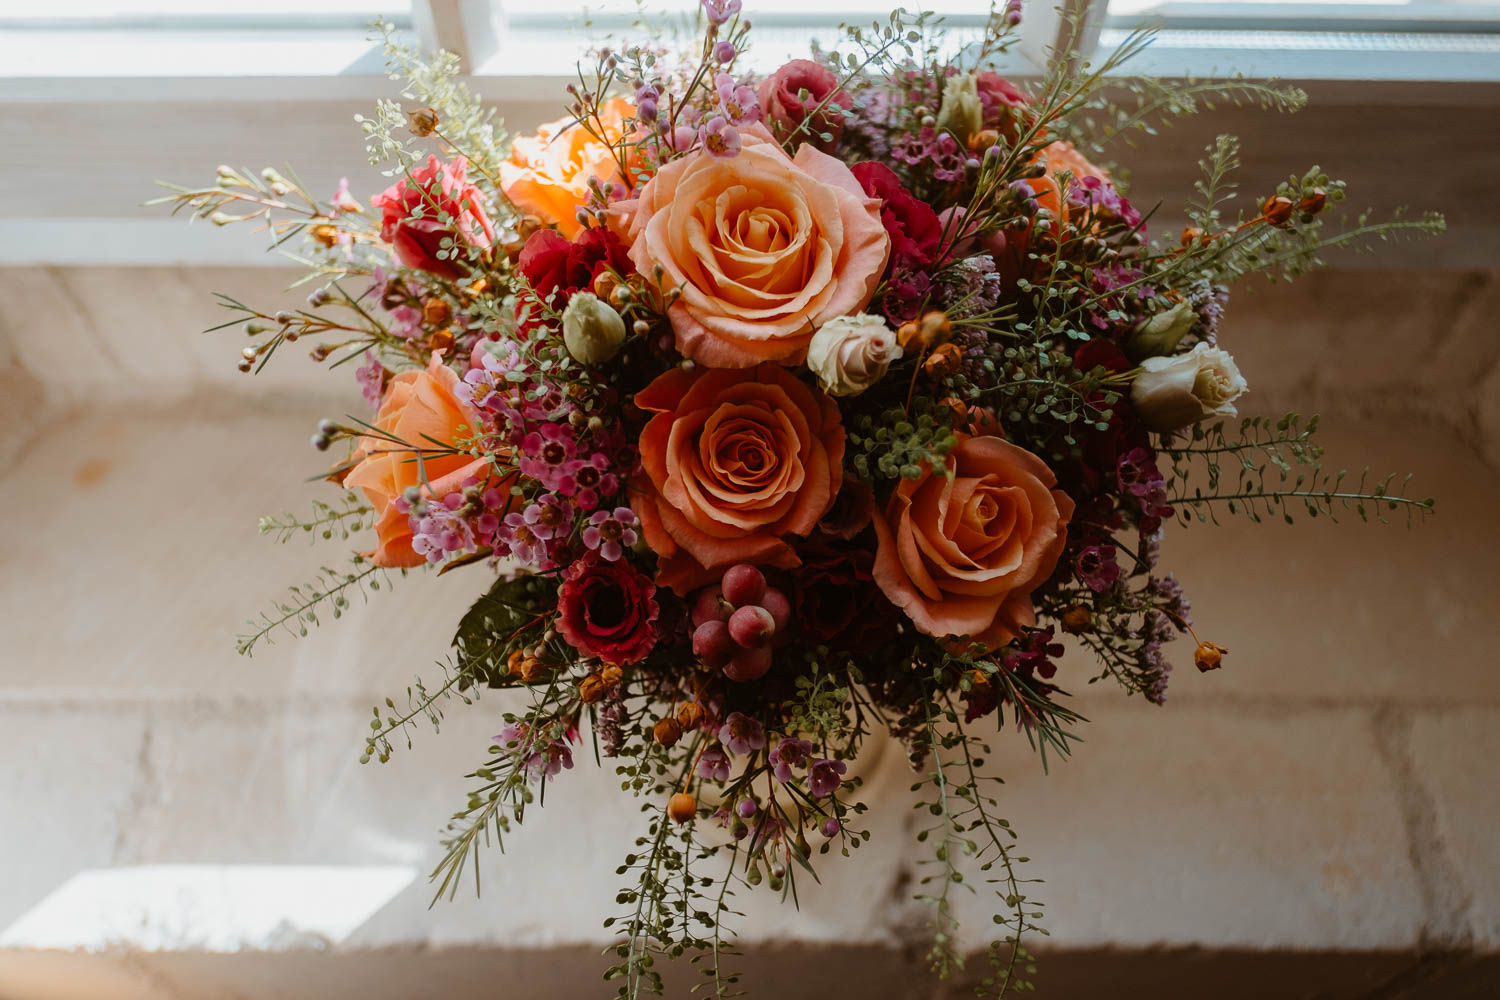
(1171, 393)
(961, 113)
(1161, 334)
(592, 330)
(851, 353)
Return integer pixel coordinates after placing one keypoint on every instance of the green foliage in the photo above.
(1273, 468)
(292, 615)
(896, 445)
(328, 521)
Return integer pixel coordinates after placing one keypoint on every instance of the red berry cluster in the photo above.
(736, 623)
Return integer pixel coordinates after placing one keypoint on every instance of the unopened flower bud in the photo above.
(1209, 656)
(690, 715)
(591, 689)
(592, 331)
(943, 361)
(422, 122)
(1314, 201)
(1158, 335)
(682, 807)
(437, 312)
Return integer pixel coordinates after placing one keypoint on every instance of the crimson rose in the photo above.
(607, 610)
(434, 203)
(911, 223)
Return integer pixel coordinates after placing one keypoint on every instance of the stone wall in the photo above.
(1318, 819)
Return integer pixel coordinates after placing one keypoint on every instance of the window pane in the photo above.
(1324, 14)
(104, 11)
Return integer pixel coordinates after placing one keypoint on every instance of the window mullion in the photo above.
(470, 29)
(1050, 27)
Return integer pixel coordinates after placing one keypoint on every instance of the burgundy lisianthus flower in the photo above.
(838, 601)
(785, 109)
(607, 610)
(556, 266)
(911, 223)
(852, 509)
(434, 204)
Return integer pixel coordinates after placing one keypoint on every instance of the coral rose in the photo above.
(765, 248)
(1056, 159)
(548, 174)
(794, 119)
(412, 219)
(419, 407)
(732, 462)
(962, 552)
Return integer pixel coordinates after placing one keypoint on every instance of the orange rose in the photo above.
(962, 552)
(765, 248)
(548, 174)
(419, 407)
(733, 460)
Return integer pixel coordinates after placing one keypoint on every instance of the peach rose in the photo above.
(419, 407)
(962, 552)
(733, 461)
(548, 173)
(766, 248)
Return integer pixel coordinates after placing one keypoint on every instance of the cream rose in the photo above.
(1171, 393)
(765, 248)
(851, 353)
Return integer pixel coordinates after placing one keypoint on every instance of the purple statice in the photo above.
(713, 765)
(609, 721)
(914, 148)
(549, 453)
(611, 532)
(1208, 301)
(824, 777)
(742, 734)
(720, 11)
(1154, 631)
(968, 287)
(1166, 593)
(737, 101)
(371, 377)
(788, 754)
(1096, 567)
(532, 534)
(719, 138)
(1140, 478)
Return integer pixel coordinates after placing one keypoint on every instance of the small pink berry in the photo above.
(751, 626)
(711, 643)
(775, 602)
(748, 664)
(743, 584)
(708, 607)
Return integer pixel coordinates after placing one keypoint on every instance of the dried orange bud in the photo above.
(956, 409)
(1209, 656)
(935, 328)
(1077, 620)
(907, 335)
(441, 340)
(1191, 235)
(983, 140)
(592, 688)
(422, 122)
(513, 661)
(529, 669)
(1278, 211)
(682, 807)
(1314, 201)
(326, 234)
(605, 284)
(437, 312)
(690, 715)
(611, 674)
(943, 361)
(667, 731)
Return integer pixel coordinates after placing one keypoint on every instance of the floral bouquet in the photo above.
(772, 411)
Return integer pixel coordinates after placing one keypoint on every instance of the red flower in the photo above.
(999, 99)
(435, 203)
(838, 601)
(781, 100)
(607, 610)
(556, 266)
(911, 223)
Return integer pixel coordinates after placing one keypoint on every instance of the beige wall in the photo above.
(1332, 792)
